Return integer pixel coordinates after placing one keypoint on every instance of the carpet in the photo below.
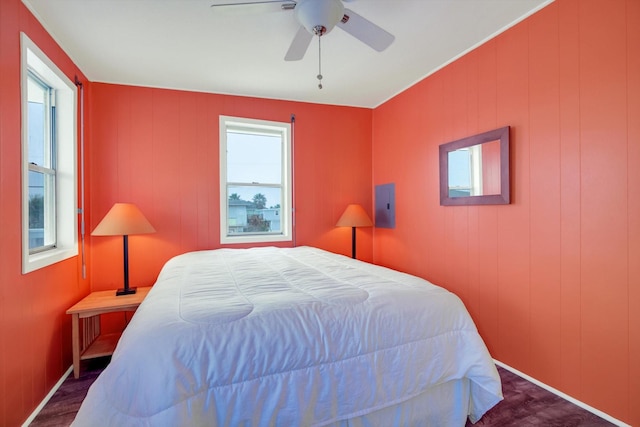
(525, 404)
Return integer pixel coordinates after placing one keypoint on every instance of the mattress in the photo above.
(286, 337)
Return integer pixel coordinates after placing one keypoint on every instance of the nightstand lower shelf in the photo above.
(104, 345)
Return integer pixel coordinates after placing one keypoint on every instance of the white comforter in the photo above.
(285, 337)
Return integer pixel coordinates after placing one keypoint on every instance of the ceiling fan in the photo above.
(318, 18)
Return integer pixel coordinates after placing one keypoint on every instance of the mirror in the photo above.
(475, 170)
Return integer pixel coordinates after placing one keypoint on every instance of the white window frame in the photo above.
(270, 128)
(66, 219)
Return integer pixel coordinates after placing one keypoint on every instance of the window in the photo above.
(255, 181)
(49, 220)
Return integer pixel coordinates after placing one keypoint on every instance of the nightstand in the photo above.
(88, 343)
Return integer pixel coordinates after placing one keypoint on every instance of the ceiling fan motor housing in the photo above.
(319, 16)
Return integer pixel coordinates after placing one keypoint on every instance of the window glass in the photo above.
(254, 158)
(39, 118)
(41, 158)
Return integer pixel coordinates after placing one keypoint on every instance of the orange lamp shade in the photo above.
(354, 216)
(122, 220)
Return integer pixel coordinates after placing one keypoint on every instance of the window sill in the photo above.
(255, 239)
(37, 261)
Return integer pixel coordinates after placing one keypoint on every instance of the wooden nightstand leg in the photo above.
(75, 338)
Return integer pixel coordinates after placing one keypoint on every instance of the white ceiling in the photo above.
(239, 50)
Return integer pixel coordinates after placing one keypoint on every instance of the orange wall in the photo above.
(159, 149)
(35, 332)
(552, 280)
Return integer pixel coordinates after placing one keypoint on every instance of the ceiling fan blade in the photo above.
(245, 3)
(253, 7)
(299, 45)
(365, 31)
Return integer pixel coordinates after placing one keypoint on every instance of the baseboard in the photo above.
(46, 399)
(562, 395)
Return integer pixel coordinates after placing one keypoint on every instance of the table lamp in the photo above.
(122, 220)
(354, 216)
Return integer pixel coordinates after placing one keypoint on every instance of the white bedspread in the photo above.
(285, 337)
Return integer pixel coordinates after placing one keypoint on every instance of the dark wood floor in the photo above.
(524, 404)
(61, 409)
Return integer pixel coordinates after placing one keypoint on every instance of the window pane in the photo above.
(36, 210)
(254, 209)
(42, 230)
(41, 210)
(39, 146)
(254, 158)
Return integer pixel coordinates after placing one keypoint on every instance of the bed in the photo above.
(293, 337)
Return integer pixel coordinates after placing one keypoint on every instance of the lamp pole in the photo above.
(353, 242)
(125, 248)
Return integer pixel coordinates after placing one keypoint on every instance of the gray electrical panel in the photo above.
(386, 206)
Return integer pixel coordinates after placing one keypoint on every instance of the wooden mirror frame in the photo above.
(501, 134)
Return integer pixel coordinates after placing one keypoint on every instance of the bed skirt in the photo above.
(443, 405)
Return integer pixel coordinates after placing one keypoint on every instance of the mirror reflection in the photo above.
(475, 170)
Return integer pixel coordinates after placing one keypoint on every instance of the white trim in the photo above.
(563, 395)
(66, 169)
(48, 397)
(283, 130)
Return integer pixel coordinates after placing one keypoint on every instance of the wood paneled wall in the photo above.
(159, 149)
(552, 280)
(35, 332)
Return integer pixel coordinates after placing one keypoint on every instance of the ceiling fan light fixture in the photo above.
(319, 15)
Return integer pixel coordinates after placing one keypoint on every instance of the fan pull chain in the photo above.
(319, 63)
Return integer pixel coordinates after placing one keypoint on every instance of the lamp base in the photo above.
(127, 291)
